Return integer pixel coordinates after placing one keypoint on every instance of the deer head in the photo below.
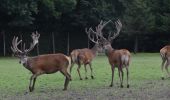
(22, 54)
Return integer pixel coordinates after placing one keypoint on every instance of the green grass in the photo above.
(145, 81)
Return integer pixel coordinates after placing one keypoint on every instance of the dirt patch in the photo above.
(150, 90)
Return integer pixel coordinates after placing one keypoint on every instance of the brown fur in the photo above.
(165, 54)
(84, 56)
(118, 59)
(48, 64)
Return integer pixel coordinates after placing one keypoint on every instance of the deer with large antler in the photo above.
(85, 56)
(42, 64)
(117, 58)
(165, 54)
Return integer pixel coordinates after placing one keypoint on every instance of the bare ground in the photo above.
(148, 90)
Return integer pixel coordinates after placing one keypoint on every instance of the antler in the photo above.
(118, 28)
(98, 32)
(35, 36)
(92, 36)
(15, 43)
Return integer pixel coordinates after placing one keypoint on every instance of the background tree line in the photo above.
(146, 23)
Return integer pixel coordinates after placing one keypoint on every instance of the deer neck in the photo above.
(108, 50)
(27, 63)
(94, 49)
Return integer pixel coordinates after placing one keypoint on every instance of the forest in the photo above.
(146, 23)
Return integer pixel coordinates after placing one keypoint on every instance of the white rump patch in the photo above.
(69, 65)
(125, 59)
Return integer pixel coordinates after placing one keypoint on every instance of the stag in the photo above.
(42, 64)
(165, 54)
(85, 56)
(117, 58)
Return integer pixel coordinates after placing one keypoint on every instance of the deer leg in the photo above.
(122, 75)
(166, 68)
(85, 71)
(119, 75)
(127, 71)
(30, 85)
(113, 68)
(68, 78)
(162, 67)
(78, 70)
(71, 69)
(91, 70)
(32, 82)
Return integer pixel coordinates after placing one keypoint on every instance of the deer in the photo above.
(41, 64)
(117, 58)
(165, 54)
(85, 56)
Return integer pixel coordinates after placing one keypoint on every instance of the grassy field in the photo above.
(145, 82)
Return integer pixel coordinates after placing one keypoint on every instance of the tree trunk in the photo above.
(38, 52)
(68, 44)
(88, 42)
(53, 39)
(3, 33)
(136, 45)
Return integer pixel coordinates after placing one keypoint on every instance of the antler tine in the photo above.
(98, 31)
(15, 43)
(35, 36)
(118, 25)
(118, 29)
(91, 35)
(30, 48)
(13, 46)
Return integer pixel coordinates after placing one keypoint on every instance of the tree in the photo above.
(17, 13)
(138, 19)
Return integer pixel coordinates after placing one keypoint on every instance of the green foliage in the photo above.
(19, 12)
(138, 16)
(145, 18)
(161, 12)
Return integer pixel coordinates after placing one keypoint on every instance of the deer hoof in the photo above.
(86, 78)
(30, 89)
(162, 78)
(92, 77)
(121, 86)
(64, 89)
(81, 79)
(111, 85)
(128, 86)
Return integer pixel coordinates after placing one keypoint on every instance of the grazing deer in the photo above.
(85, 56)
(117, 58)
(42, 64)
(165, 55)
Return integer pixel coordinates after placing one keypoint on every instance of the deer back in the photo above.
(82, 55)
